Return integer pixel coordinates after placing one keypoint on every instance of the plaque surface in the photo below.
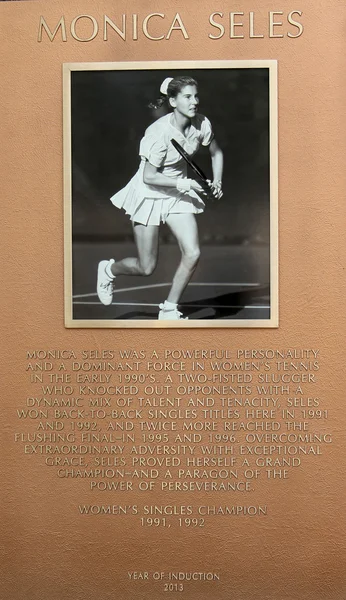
(198, 464)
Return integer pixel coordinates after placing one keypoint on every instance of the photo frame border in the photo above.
(273, 321)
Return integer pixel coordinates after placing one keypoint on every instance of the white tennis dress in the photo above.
(151, 204)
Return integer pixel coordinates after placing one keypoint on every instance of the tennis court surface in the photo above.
(230, 282)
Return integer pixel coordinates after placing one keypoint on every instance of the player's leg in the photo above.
(184, 228)
(146, 239)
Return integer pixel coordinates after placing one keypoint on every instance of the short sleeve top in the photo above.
(156, 146)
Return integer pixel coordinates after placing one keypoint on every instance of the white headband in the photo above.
(165, 84)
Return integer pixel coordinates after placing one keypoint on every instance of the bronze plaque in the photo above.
(140, 460)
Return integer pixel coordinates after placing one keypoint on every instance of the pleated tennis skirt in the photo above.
(151, 205)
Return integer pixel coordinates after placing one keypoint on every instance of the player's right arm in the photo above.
(153, 176)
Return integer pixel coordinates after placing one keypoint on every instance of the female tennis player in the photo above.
(160, 192)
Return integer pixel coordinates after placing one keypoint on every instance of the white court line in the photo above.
(117, 304)
(187, 305)
(129, 289)
(157, 285)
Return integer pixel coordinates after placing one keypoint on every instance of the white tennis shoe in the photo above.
(170, 314)
(105, 282)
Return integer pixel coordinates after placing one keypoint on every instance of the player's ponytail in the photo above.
(163, 94)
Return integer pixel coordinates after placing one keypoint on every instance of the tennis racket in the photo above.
(189, 160)
(196, 169)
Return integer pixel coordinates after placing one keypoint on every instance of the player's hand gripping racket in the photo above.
(196, 169)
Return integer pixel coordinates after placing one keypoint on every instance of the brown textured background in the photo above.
(297, 552)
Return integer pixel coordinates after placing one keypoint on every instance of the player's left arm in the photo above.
(217, 167)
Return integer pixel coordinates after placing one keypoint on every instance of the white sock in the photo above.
(109, 271)
(169, 305)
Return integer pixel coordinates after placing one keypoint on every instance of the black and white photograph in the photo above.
(171, 202)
